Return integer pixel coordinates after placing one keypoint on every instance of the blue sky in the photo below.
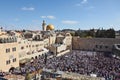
(68, 14)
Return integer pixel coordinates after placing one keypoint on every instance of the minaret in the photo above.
(44, 26)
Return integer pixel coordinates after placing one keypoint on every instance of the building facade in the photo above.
(8, 52)
(17, 47)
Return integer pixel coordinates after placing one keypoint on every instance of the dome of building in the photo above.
(50, 27)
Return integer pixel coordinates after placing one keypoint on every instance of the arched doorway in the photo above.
(32, 58)
(11, 70)
(35, 57)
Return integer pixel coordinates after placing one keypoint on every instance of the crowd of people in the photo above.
(82, 62)
(3, 73)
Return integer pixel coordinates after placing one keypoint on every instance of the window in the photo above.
(100, 46)
(96, 46)
(14, 60)
(22, 47)
(41, 44)
(14, 49)
(7, 62)
(8, 50)
(106, 47)
(37, 45)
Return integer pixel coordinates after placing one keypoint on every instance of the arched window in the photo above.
(15, 39)
(2, 40)
(5, 40)
(10, 39)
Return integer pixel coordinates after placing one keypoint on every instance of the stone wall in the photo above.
(94, 44)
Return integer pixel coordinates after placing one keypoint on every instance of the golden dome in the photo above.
(50, 27)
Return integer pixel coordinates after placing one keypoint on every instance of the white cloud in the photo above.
(51, 17)
(28, 8)
(48, 17)
(69, 22)
(43, 16)
(84, 1)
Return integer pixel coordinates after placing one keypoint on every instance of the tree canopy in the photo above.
(100, 33)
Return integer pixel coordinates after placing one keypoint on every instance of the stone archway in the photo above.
(12, 69)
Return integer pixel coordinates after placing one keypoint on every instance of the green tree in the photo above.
(90, 33)
(78, 32)
(110, 33)
(72, 34)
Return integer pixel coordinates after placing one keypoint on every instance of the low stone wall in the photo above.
(75, 76)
